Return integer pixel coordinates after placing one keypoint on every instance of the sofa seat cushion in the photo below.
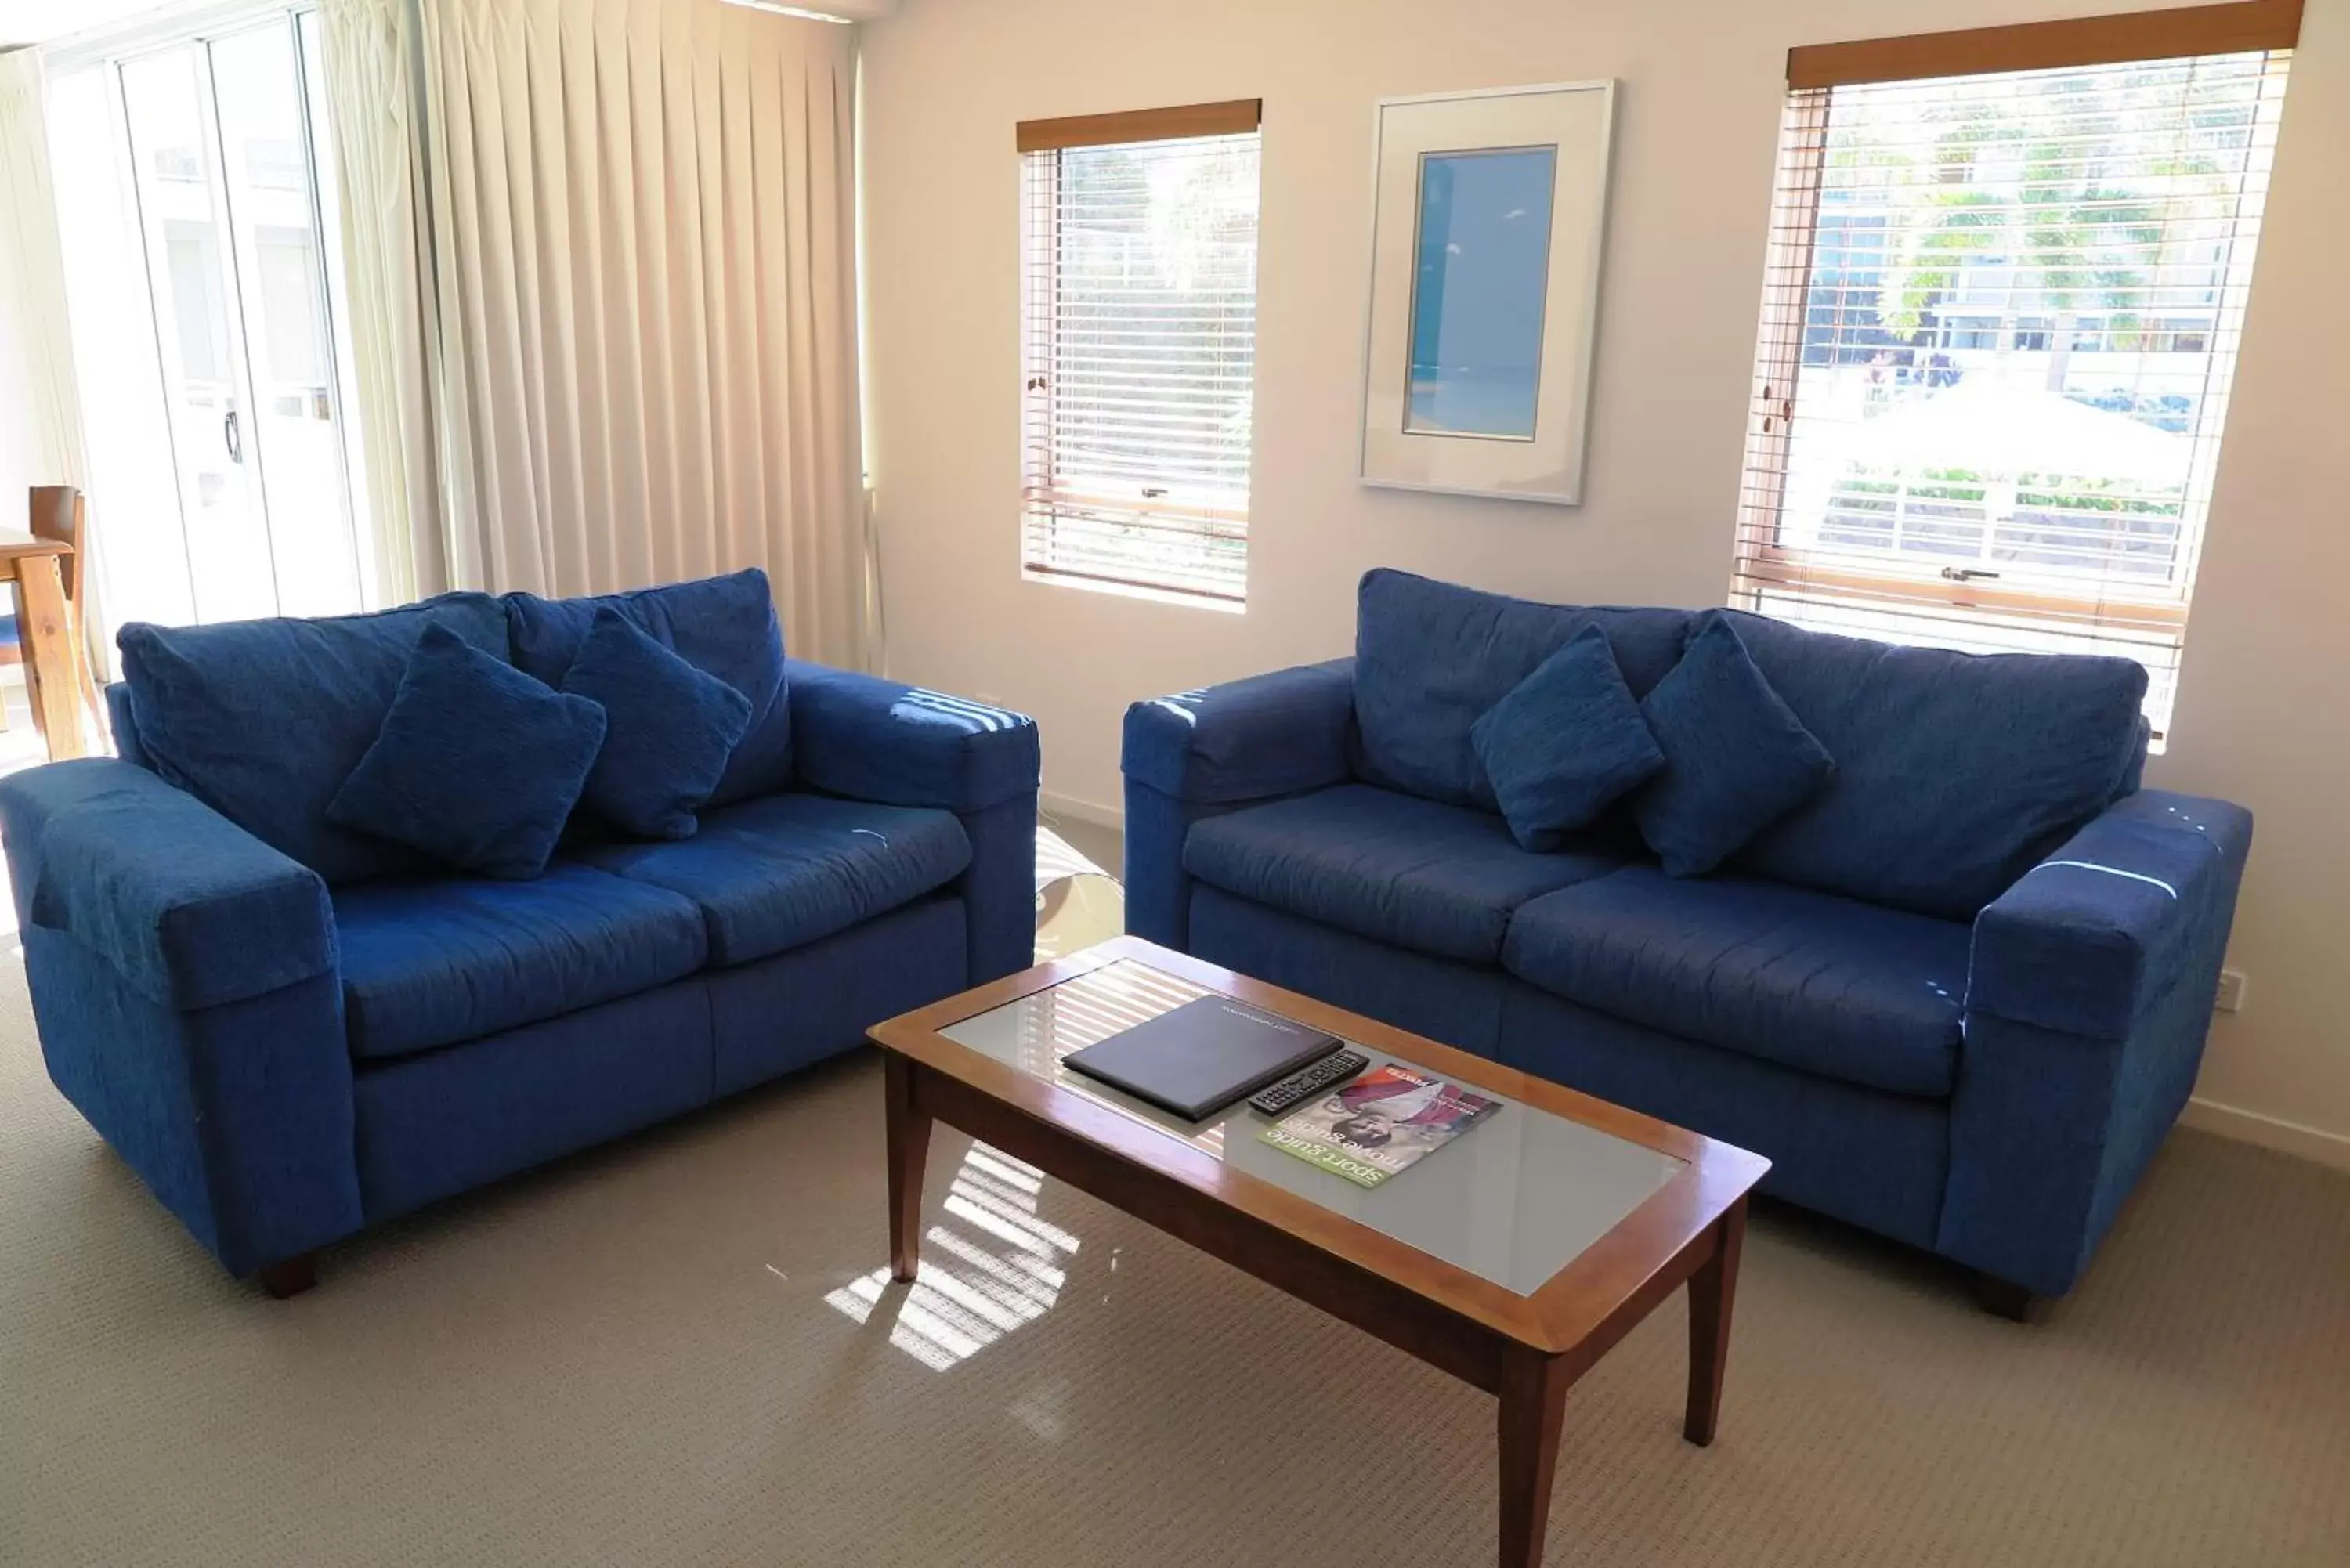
(1850, 990)
(779, 872)
(1435, 878)
(431, 963)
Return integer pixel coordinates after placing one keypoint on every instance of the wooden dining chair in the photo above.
(60, 514)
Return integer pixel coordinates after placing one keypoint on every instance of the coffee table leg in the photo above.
(908, 1140)
(1533, 1404)
(1710, 1291)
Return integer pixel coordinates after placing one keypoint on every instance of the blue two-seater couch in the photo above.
(292, 1032)
(1958, 997)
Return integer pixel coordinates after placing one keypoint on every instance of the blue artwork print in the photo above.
(1483, 277)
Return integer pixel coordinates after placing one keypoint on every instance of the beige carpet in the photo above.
(675, 1350)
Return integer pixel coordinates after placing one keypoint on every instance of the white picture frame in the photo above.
(1478, 346)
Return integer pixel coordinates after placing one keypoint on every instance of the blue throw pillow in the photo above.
(1736, 757)
(724, 627)
(1565, 743)
(668, 729)
(477, 764)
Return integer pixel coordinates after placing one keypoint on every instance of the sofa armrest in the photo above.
(1199, 753)
(1251, 739)
(191, 909)
(871, 739)
(186, 986)
(2087, 1006)
(2085, 939)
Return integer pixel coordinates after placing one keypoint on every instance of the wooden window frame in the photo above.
(1232, 116)
(2240, 27)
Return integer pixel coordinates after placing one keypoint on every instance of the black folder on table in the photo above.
(1202, 1056)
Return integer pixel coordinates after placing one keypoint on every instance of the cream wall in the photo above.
(2262, 717)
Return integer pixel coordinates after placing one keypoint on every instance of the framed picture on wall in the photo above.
(1489, 217)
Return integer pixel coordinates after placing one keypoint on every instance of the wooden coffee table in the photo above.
(1512, 1257)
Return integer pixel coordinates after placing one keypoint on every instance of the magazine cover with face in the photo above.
(1378, 1125)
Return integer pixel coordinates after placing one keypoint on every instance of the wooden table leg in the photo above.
(49, 657)
(908, 1140)
(1533, 1404)
(1712, 1291)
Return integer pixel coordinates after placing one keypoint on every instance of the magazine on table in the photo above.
(1379, 1125)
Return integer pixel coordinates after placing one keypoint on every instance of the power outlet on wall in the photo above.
(2231, 991)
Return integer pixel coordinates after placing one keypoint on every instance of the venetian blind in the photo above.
(2000, 321)
(1140, 349)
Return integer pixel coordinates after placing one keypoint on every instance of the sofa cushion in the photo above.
(1435, 878)
(1565, 743)
(1829, 985)
(1430, 657)
(1956, 773)
(432, 963)
(264, 719)
(724, 627)
(478, 765)
(777, 873)
(1735, 759)
(669, 729)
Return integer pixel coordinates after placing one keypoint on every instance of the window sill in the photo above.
(1135, 591)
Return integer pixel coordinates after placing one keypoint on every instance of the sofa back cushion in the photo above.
(264, 719)
(723, 627)
(1955, 772)
(1430, 657)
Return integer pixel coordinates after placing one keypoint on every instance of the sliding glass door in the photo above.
(207, 313)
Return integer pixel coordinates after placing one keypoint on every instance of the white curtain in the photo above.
(375, 99)
(625, 232)
(33, 303)
(31, 270)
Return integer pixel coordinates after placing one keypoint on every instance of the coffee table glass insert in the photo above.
(1513, 1200)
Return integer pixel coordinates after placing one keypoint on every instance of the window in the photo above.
(197, 213)
(2006, 441)
(1140, 349)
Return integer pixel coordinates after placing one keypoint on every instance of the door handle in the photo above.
(230, 437)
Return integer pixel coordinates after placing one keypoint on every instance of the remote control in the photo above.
(1308, 1081)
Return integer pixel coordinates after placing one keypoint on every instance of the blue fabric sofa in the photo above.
(292, 1032)
(1957, 998)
